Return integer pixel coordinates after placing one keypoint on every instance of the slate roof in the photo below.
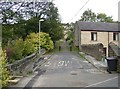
(98, 26)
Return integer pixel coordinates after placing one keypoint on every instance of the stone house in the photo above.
(96, 32)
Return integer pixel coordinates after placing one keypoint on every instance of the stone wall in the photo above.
(19, 66)
(114, 51)
(95, 50)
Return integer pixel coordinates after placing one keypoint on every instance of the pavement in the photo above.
(100, 65)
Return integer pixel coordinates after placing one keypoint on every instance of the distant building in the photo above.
(96, 32)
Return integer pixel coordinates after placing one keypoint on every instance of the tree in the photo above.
(13, 12)
(54, 29)
(51, 12)
(23, 27)
(52, 24)
(102, 17)
(32, 25)
(88, 15)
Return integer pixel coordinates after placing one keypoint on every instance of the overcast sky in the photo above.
(69, 8)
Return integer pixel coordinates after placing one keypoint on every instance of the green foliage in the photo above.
(54, 29)
(45, 41)
(24, 10)
(28, 48)
(33, 39)
(7, 33)
(71, 41)
(4, 73)
(18, 48)
(32, 25)
(12, 32)
(52, 24)
(15, 50)
(102, 17)
(52, 12)
(88, 15)
(23, 27)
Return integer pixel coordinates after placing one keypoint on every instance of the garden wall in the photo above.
(95, 50)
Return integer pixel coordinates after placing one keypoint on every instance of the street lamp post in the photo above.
(39, 34)
(1, 34)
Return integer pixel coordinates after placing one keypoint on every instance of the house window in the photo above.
(94, 36)
(115, 36)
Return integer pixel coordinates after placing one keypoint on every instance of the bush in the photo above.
(45, 41)
(15, 50)
(28, 48)
(3, 70)
(18, 49)
(71, 41)
(9, 54)
(32, 38)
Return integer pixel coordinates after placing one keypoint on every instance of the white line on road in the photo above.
(68, 61)
(74, 58)
(101, 82)
(65, 63)
(60, 63)
(48, 64)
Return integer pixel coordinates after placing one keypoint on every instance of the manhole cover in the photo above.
(73, 73)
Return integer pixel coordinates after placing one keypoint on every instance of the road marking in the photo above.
(101, 82)
(48, 64)
(65, 63)
(60, 63)
(68, 61)
(54, 65)
(74, 58)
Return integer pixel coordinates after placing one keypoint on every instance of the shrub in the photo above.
(45, 41)
(9, 54)
(33, 39)
(4, 73)
(18, 49)
(15, 50)
(28, 48)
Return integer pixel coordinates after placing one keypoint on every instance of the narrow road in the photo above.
(67, 69)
